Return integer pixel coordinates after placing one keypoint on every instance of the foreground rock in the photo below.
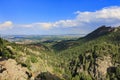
(10, 70)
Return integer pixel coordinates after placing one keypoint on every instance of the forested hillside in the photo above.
(93, 57)
(27, 62)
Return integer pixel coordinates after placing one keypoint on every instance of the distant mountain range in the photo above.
(34, 38)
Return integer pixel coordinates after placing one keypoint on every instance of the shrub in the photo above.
(33, 59)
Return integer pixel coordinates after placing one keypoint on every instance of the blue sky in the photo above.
(57, 16)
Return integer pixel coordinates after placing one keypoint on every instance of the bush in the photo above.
(33, 59)
(6, 54)
(118, 72)
(27, 63)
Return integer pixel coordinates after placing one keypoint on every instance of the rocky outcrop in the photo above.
(10, 70)
(90, 64)
(98, 70)
(47, 76)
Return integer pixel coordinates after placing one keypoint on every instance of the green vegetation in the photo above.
(85, 53)
(93, 57)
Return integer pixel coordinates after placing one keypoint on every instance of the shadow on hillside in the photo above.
(47, 76)
(3, 59)
(65, 44)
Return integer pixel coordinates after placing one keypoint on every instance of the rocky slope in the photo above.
(25, 62)
(10, 70)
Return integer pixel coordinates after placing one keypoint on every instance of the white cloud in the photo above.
(40, 25)
(64, 23)
(109, 16)
(44, 25)
(7, 24)
(106, 16)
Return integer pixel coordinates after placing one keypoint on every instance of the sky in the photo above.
(52, 17)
